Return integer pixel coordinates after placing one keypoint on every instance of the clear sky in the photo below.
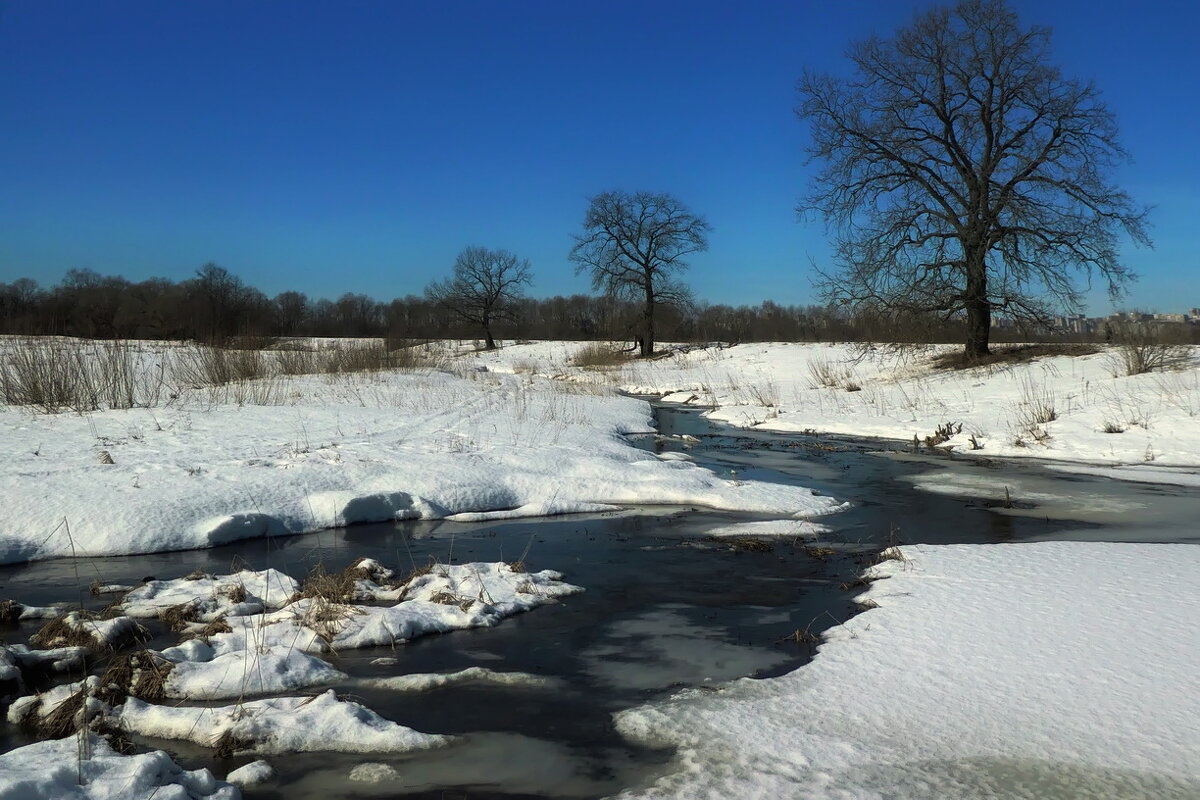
(358, 146)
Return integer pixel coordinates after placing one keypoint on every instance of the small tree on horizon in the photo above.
(633, 248)
(964, 174)
(484, 288)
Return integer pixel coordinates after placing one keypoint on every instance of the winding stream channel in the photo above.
(665, 606)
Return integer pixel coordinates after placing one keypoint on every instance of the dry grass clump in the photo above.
(197, 575)
(177, 617)
(227, 744)
(829, 374)
(336, 587)
(208, 630)
(66, 718)
(819, 552)
(1015, 354)
(65, 632)
(448, 599)
(805, 636)
(74, 630)
(326, 617)
(597, 355)
(235, 593)
(141, 673)
(10, 612)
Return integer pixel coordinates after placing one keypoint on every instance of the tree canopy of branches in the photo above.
(634, 246)
(963, 173)
(484, 287)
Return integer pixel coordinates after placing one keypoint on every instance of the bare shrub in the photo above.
(597, 355)
(50, 375)
(357, 358)
(1144, 346)
(204, 365)
(296, 362)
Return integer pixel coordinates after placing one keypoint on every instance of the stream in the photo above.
(665, 606)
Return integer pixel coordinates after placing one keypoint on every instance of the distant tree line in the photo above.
(216, 306)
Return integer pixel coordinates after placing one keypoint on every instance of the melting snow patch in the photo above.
(276, 725)
(774, 527)
(424, 682)
(374, 772)
(53, 769)
(251, 774)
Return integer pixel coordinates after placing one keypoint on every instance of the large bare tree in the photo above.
(484, 287)
(633, 247)
(964, 174)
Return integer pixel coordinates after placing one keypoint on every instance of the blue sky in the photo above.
(358, 146)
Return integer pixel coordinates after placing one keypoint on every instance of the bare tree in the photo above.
(963, 173)
(484, 287)
(633, 247)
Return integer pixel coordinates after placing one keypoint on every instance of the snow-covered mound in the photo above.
(1049, 670)
(449, 597)
(206, 469)
(212, 596)
(54, 770)
(276, 725)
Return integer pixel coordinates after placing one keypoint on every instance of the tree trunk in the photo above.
(979, 311)
(487, 329)
(648, 336)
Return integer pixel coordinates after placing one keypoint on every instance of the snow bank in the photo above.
(52, 769)
(1009, 671)
(277, 725)
(206, 470)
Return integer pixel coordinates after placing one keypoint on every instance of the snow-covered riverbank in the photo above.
(1071, 408)
(1049, 670)
(201, 468)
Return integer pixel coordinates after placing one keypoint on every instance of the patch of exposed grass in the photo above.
(1015, 354)
(598, 355)
(750, 544)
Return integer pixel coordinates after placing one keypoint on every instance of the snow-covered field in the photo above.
(1049, 670)
(1054, 407)
(208, 465)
